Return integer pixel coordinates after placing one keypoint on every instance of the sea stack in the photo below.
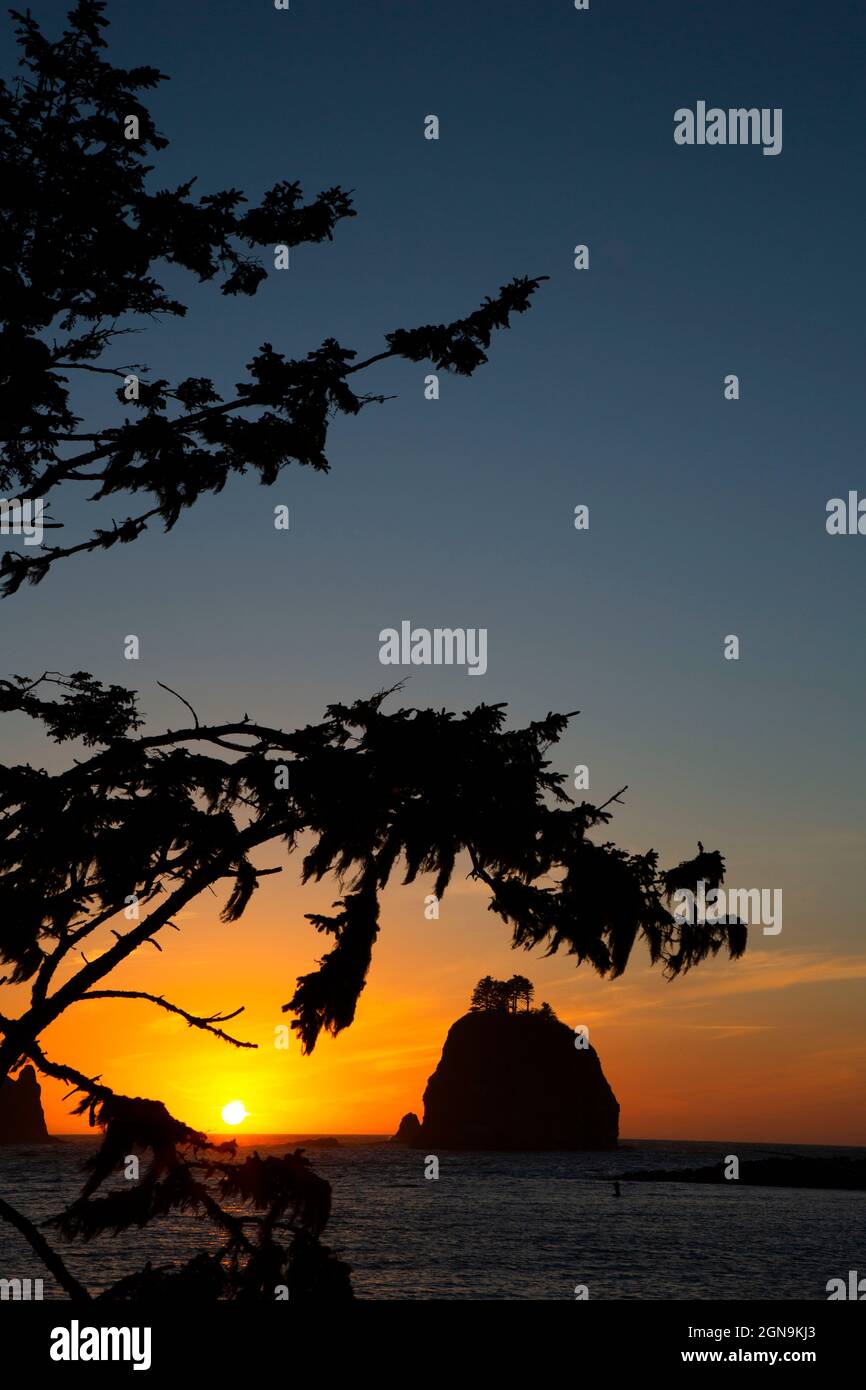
(21, 1117)
(408, 1130)
(516, 1081)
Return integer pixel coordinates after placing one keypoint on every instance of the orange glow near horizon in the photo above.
(765, 1049)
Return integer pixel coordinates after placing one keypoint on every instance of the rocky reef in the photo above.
(839, 1173)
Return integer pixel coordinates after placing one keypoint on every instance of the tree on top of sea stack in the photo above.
(82, 241)
(502, 996)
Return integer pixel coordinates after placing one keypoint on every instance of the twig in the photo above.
(194, 1021)
(46, 1253)
(182, 700)
(616, 796)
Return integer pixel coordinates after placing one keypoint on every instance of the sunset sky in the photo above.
(707, 518)
(769, 1048)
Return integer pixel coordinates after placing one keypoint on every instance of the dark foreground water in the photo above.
(505, 1226)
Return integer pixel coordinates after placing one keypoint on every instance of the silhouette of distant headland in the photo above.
(21, 1117)
(512, 1079)
(844, 1174)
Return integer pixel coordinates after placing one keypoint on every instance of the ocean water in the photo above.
(503, 1226)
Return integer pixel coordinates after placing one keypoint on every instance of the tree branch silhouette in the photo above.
(194, 1021)
(49, 1256)
(80, 251)
(186, 1174)
(155, 819)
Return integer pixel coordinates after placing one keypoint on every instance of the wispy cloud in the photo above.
(759, 972)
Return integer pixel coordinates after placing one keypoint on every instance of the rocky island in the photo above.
(21, 1117)
(514, 1079)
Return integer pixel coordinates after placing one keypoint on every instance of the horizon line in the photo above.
(376, 1134)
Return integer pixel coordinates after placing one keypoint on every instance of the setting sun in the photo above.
(234, 1112)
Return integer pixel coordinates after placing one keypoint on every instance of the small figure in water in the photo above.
(616, 1191)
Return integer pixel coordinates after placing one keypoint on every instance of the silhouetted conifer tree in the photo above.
(502, 996)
